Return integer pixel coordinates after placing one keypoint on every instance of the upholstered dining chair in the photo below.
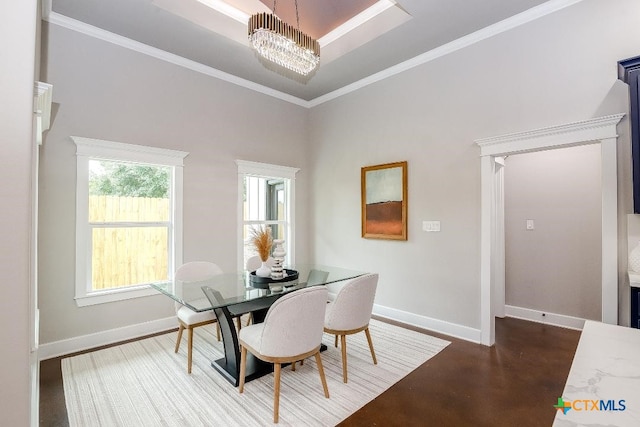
(292, 330)
(196, 271)
(350, 313)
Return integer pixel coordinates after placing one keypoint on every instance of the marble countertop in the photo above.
(605, 373)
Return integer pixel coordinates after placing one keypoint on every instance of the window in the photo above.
(128, 219)
(267, 194)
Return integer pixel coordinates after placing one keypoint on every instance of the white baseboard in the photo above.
(84, 342)
(440, 326)
(547, 318)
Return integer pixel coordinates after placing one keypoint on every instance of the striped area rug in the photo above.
(144, 383)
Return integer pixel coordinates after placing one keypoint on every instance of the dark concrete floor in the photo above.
(514, 383)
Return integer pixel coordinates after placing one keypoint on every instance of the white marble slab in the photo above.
(606, 367)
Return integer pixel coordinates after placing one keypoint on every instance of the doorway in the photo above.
(492, 151)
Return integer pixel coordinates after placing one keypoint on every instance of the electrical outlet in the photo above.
(530, 225)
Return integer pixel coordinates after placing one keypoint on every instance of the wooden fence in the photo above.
(123, 256)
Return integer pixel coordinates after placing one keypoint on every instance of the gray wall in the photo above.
(107, 92)
(18, 45)
(555, 268)
(558, 69)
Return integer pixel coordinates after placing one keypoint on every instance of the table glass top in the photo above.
(236, 288)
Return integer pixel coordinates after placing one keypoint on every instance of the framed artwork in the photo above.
(384, 201)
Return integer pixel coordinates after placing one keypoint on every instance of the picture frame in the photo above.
(384, 201)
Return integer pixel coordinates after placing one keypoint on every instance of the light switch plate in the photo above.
(530, 225)
(431, 226)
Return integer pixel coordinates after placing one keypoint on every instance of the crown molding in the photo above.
(458, 44)
(98, 33)
(453, 46)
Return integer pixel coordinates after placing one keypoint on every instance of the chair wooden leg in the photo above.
(189, 349)
(373, 353)
(336, 343)
(322, 377)
(239, 323)
(343, 344)
(276, 391)
(249, 319)
(218, 331)
(180, 329)
(243, 368)
(293, 365)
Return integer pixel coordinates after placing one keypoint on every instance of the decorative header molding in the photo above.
(42, 100)
(554, 136)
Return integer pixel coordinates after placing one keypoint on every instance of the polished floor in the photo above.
(514, 383)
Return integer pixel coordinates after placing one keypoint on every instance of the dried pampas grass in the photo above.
(262, 240)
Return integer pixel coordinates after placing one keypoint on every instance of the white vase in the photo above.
(264, 270)
(634, 259)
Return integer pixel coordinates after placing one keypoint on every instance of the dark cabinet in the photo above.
(635, 307)
(629, 72)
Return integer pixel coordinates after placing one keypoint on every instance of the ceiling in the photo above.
(358, 38)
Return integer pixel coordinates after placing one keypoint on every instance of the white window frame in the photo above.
(265, 170)
(89, 148)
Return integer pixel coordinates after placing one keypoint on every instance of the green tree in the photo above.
(127, 179)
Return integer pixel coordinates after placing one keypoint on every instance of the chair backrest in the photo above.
(254, 263)
(317, 277)
(294, 323)
(195, 271)
(353, 304)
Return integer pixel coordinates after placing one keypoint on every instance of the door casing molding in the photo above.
(601, 130)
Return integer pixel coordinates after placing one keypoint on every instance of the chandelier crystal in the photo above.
(283, 44)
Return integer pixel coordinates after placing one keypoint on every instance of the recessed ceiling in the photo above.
(317, 18)
(358, 38)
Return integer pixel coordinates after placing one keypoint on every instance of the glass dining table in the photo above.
(230, 295)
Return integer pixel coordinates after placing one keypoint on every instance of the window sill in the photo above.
(113, 295)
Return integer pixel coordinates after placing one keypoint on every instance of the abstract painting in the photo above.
(384, 201)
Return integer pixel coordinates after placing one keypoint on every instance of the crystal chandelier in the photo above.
(283, 44)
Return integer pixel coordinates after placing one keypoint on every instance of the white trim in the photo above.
(499, 267)
(600, 130)
(100, 148)
(248, 168)
(42, 108)
(113, 295)
(451, 329)
(544, 317)
(98, 33)
(87, 148)
(453, 46)
(487, 237)
(98, 339)
(576, 133)
(609, 185)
